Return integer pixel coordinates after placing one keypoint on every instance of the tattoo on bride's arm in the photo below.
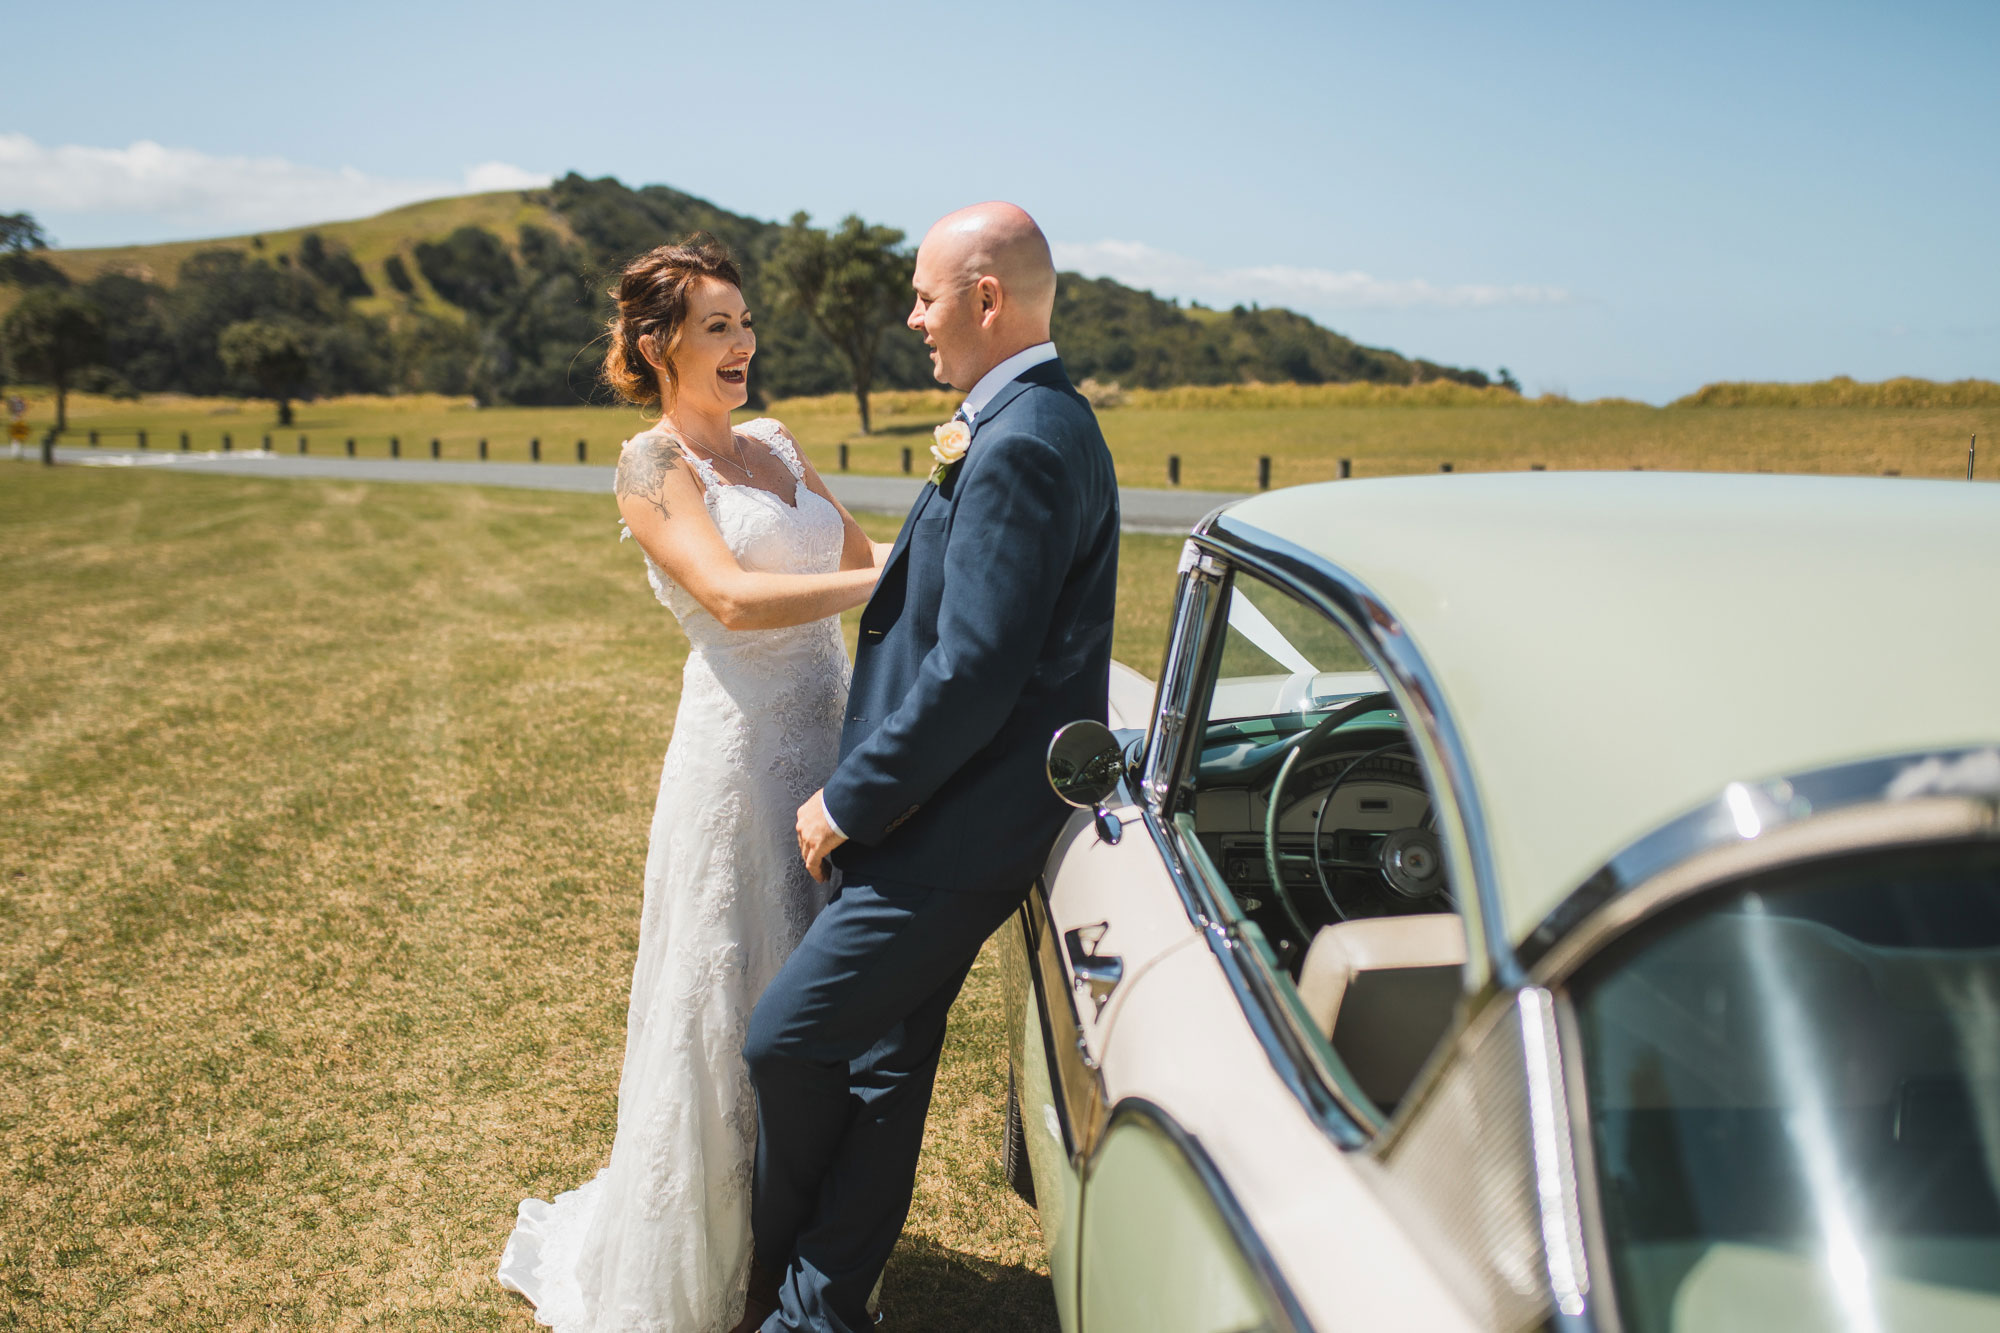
(642, 473)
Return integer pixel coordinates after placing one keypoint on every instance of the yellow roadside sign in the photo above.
(17, 430)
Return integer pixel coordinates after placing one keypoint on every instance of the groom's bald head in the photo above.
(986, 288)
(1000, 241)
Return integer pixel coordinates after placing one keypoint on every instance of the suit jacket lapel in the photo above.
(903, 536)
(1049, 373)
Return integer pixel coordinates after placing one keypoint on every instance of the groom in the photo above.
(990, 627)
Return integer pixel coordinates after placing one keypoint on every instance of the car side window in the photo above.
(1312, 812)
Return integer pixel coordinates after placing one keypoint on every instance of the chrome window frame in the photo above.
(1880, 803)
(1375, 629)
(1216, 549)
(1495, 980)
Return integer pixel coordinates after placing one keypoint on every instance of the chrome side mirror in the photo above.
(1085, 765)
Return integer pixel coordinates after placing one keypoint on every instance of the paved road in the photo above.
(1142, 510)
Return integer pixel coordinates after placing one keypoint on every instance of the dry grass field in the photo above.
(1218, 434)
(322, 817)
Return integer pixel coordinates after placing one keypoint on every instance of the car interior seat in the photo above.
(1383, 990)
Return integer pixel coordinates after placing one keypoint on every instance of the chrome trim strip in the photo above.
(1280, 1303)
(1566, 1266)
(1078, 1087)
(1742, 813)
(1356, 608)
(1290, 1055)
(1601, 1306)
(1194, 612)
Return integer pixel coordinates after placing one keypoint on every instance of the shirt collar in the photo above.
(998, 378)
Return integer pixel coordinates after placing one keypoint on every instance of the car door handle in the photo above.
(1100, 973)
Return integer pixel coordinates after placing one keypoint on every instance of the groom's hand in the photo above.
(817, 835)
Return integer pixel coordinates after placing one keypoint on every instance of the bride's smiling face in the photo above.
(712, 359)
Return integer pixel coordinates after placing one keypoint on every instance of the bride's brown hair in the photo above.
(652, 296)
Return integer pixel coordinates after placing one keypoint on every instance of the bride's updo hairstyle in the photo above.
(652, 296)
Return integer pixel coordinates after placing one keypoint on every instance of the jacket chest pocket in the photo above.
(926, 574)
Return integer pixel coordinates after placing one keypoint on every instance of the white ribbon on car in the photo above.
(1254, 625)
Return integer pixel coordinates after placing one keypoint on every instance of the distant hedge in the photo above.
(1843, 391)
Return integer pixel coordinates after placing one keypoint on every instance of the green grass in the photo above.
(322, 820)
(1217, 434)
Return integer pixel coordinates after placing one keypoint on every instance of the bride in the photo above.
(754, 557)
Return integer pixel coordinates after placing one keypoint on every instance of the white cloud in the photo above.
(503, 176)
(1140, 265)
(184, 188)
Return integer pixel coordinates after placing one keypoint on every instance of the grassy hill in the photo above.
(370, 240)
(502, 296)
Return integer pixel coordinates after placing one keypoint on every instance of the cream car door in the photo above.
(1157, 1253)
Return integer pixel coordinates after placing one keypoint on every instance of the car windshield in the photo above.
(1793, 1096)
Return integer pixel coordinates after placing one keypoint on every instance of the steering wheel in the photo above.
(1410, 861)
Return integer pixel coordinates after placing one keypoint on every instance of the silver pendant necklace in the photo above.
(736, 446)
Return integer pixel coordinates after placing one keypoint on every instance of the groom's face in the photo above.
(949, 312)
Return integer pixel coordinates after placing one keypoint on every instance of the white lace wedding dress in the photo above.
(659, 1240)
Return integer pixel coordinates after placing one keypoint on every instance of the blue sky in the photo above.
(1608, 198)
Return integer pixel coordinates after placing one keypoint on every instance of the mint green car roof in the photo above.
(1616, 648)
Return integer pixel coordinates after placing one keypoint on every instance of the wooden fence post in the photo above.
(1264, 472)
(93, 439)
(1444, 467)
(434, 447)
(184, 441)
(579, 451)
(1346, 468)
(267, 444)
(142, 439)
(226, 444)
(350, 446)
(535, 450)
(482, 448)
(906, 460)
(395, 446)
(843, 458)
(1173, 469)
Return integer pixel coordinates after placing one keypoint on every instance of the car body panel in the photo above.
(1185, 1044)
(1724, 627)
(1158, 1255)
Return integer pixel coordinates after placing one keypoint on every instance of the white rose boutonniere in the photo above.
(950, 441)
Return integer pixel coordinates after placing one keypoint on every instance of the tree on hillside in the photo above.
(52, 335)
(332, 265)
(20, 237)
(398, 274)
(471, 269)
(273, 355)
(20, 233)
(853, 284)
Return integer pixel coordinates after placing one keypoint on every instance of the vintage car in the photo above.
(1544, 900)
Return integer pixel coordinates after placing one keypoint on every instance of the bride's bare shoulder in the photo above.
(646, 462)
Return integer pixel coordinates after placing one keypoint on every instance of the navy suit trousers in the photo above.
(841, 1105)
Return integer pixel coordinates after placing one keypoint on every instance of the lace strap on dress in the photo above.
(773, 436)
(702, 467)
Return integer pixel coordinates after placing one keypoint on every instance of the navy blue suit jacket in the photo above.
(990, 628)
